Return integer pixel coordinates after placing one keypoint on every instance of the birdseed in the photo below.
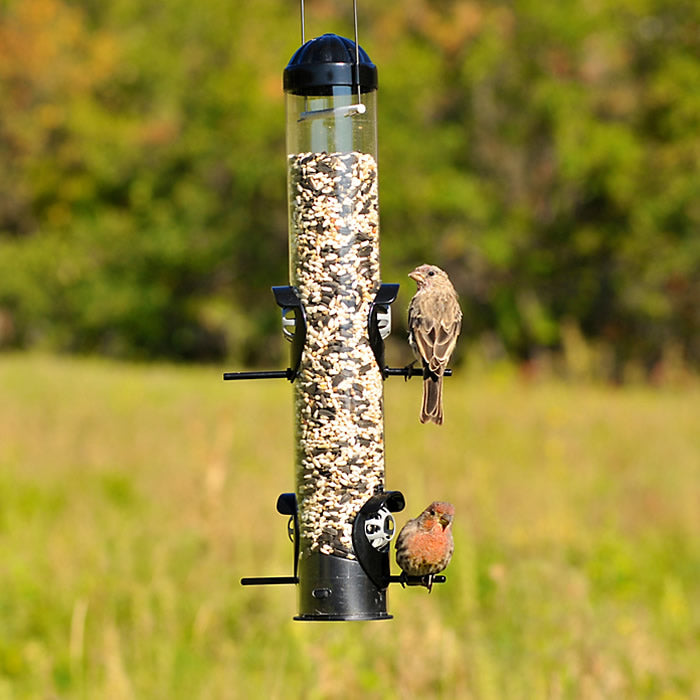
(334, 217)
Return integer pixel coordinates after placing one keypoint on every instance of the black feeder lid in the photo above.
(326, 62)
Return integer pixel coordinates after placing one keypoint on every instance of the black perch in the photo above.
(261, 374)
(288, 373)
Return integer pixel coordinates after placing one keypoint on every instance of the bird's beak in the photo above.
(417, 276)
(445, 521)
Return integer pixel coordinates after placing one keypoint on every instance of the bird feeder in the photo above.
(336, 312)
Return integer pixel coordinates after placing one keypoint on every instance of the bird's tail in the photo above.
(431, 409)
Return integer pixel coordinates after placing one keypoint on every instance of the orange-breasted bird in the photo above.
(424, 546)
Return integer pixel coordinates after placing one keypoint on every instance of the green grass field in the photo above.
(133, 498)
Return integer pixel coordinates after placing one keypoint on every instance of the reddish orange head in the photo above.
(438, 513)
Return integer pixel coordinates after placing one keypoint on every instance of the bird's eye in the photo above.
(431, 273)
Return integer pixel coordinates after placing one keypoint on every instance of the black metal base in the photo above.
(334, 589)
(341, 618)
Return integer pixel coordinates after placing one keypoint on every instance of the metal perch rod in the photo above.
(408, 372)
(281, 580)
(261, 374)
(287, 373)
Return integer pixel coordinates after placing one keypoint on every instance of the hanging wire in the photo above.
(348, 110)
(357, 52)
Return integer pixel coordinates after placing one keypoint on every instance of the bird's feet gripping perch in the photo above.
(409, 370)
(425, 581)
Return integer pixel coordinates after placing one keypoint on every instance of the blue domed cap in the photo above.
(326, 62)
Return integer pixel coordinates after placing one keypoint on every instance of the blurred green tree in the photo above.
(547, 156)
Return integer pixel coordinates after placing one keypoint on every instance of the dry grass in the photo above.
(132, 499)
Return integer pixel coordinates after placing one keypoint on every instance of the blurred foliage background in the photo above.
(546, 154)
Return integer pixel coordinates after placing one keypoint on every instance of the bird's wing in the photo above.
(435, 330)
(444, 344)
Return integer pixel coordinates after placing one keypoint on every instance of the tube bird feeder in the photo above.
(336, 312)
(334, 267)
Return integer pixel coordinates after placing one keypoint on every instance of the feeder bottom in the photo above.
(336, 589)
(341, 618)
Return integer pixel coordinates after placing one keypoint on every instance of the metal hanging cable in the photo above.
(347, 110)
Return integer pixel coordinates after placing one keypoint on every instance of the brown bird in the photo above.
(424, 546)
(434, 322)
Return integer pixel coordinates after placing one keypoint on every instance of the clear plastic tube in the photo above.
(334, 265)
